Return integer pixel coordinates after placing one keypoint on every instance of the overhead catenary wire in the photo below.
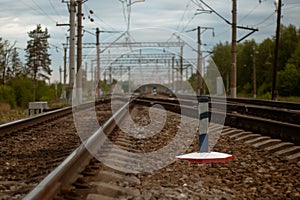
(55, 10)
(182, 17)
(249, 13)
(197, 3)
(37, 5)
(266, 19)
(87, 8)
(188, 23)
(32, 8)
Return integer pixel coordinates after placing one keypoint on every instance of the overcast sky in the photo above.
(18, 17)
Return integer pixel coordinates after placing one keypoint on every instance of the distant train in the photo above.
(155, 89)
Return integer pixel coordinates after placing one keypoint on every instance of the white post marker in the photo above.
(204, 156)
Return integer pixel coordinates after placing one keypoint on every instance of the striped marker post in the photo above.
(204, 156)
(203, 124)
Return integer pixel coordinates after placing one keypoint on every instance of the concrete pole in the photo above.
(199, 64)
(274, 83)
(72, 51)
(234, 57)
(79, 52)
(92, 72)
(181, 69)
(60, 73)
(65, 73)
(129, 79)
(173, 63)
(254, 74)
(98, 62)
(169, 76)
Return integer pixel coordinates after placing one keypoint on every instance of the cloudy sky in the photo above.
(18, 17)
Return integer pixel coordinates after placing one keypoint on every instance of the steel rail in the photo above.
(268, 103)
(30, 121)
(276, 129)
(269, 112)
(67, 172)
(37, 119)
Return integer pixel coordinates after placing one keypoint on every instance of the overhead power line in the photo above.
(266, 19)
(231, 23)
(37, 5)
(249, 13)
(182, 17)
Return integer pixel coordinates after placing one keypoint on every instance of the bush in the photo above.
(23, 91)
(288, 81)
(7, 95)
(264, 89)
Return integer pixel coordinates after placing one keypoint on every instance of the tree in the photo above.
(264, 62)
(288, 44)
(10, 64)
(15, 69)
(222, 59)
(37, 56)
(245, 64)
(288, 80)
(295, 57)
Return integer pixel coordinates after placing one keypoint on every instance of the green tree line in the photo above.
(21, 83)
(262, 55)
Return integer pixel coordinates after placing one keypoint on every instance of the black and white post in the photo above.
(203, 124)
(204, 155)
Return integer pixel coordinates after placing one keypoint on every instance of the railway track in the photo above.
(33, 147)
(264, 168)
(275, 122)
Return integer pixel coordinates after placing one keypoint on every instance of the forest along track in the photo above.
(255, 173)
(30, 154)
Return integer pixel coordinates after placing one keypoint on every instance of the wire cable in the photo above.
(43, 11)
(55, 10)
(188, 23)
(249, 13)
(266, 19)
(182, 17)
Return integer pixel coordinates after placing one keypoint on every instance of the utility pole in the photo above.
(274, 84)
(200, 61)
(181, 68)
(79, 52)
(199, 64)
(233, 86)
(169, 76)
(92, 72)
(72, 50)
(69, 101)
(110, 77)
(234, 57)
(254, 73)
(65, 72)
(85, 83)
(60, 71)
(98, 62)
(173, 83)
(129, 79)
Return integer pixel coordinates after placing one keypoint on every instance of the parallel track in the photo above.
(44, 117)
(272, 122)
(33, 147)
